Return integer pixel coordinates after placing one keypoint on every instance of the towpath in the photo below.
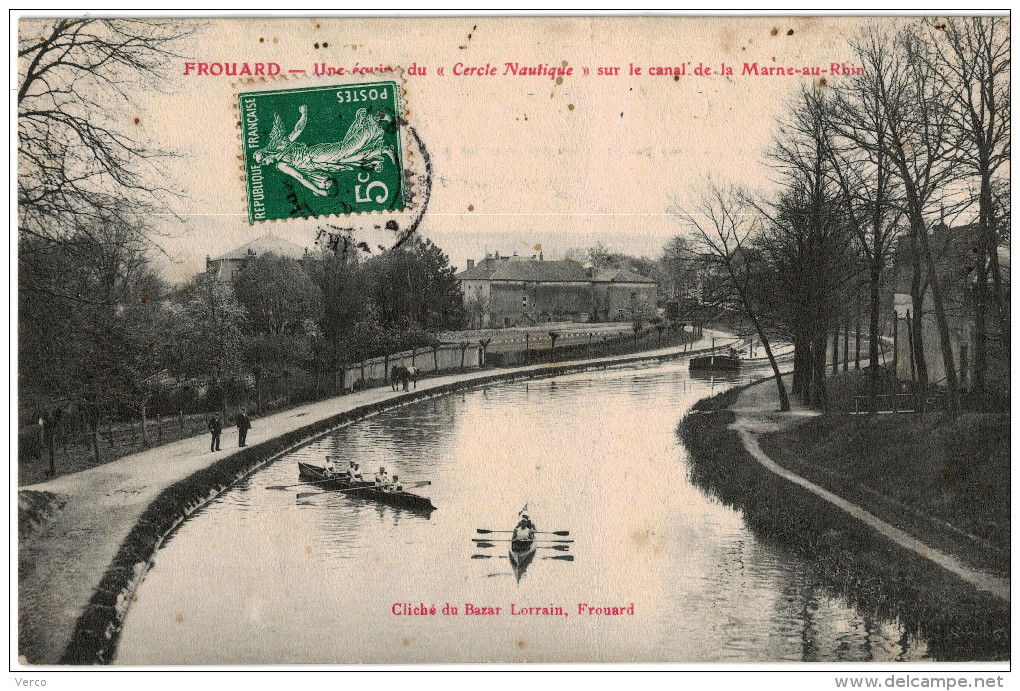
(62, 561)
(757, 412)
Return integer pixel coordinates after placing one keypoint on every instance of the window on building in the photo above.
(524, 302)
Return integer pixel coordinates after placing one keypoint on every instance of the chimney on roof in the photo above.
(497, 255)
(471, 264)
(540, 257)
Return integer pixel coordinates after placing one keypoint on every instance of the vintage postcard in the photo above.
(350, 341)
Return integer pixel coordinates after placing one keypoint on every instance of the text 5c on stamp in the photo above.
(322, 151)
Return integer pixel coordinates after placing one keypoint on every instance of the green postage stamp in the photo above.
(322, 150)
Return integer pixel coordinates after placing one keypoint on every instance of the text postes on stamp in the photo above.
(322, 150)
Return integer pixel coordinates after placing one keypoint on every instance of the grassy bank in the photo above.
(873, 574)
(943, 479)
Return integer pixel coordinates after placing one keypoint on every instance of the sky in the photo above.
(517, 161)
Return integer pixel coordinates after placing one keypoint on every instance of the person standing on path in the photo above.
(243, 425)
(215, 428)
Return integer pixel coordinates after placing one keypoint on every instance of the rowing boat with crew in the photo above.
(367, 490)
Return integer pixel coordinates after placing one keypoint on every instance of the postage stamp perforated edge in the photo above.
(407, 157)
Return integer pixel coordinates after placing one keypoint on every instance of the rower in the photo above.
(524, 527)
(356, 473)
(394, 486)
(381, 479)
(350, 469)
(330, 469)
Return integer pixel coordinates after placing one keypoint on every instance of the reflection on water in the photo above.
(260, 576)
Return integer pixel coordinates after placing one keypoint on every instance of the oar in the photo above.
(352, 489)
(301, 484)
(559, 548)
(561, 557)
(561, 533)
(489, 539)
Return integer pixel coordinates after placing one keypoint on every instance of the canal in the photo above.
(266, 576)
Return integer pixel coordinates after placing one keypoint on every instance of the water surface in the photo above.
(262, 576)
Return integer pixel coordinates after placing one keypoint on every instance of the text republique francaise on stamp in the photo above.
(322, 150)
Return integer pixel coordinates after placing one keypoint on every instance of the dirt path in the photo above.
(61, 561)
(757, 413)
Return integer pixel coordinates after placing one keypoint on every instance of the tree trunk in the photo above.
(846, 345)
(874, 301)
(1000, 305)
(981, 300)
(896, 348)
(835, 347)
(145, 426)
(94, 427)
(819, 396)
(857, 343)
(943, 325)
(916, 338)
(784, 399)
(910, 349)
(801, 349)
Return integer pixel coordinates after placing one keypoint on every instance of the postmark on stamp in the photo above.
(323, 150)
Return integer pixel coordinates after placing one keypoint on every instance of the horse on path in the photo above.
(403, 375)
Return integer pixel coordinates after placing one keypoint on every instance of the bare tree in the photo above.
(970, 58)
(806, 241)
(899, 76)
(858, 151)
(724, 225)
(87, 182)
(80, 160)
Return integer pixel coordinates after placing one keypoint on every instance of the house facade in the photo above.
(505, 291)
(227, 267)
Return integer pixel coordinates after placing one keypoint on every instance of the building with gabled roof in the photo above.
(229, 265)
(520, 291)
